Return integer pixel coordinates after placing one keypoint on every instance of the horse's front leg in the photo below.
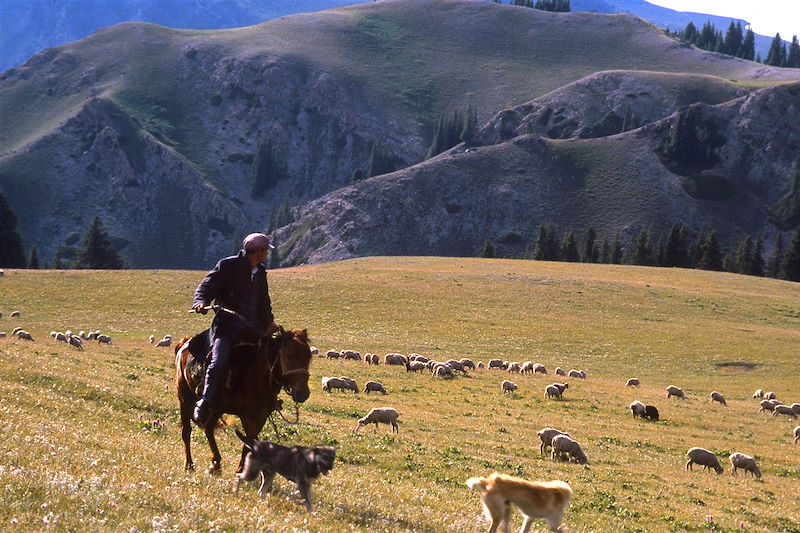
(252, 426)
(216, 458)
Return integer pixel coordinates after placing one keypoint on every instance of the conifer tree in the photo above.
(791, 261)
(758, 257)
(641, 249)
(710, 254)
(744, 256)
(775, 261)
(470, 125)
(676, 253)
(775, 56)
(381, 161)
(569, 250)
(12, 254)
(33, 259)
(357, 175)
(97, 251)
(590, 252)
(540, 249)
(488, 250)
(729, 262)
(58, 263)
(793, 57)
(605, 251)
(616, 251)
(748, 49)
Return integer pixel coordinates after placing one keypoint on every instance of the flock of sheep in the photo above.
(562, 445)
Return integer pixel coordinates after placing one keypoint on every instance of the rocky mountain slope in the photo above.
(138, 119)
(741, 177)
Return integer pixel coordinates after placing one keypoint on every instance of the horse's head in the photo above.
(295, 358)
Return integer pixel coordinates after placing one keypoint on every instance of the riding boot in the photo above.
(215, 374)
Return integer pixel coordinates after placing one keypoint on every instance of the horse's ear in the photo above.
(303, 335)
(281, 331)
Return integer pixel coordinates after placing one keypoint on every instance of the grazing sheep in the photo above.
(717, 397)
(551, 391)
(784, 410)
(380, 415)
(672, 390)
(15, 314)
(15, 330)
(703, 457)
(395, 359)
(368, 358)
(76, 342)
(374, 386)
(329, 384)
(481, 366)
(60, 337)
(413, 356)
(3, 335)
(1, 275)
(758, 393)
(93, 335)
(163, 343)
(768, 405)
(351, 355)
(508, 386)
(443, 371)
(105, 339)
(415, 366)
(633, 382)
(563, 444)
(467, 363)
(638, 409)
(526, 368)
(796, 408)
(561, 386)
(539, 369)
(651, 413)
(770, 396)
(151, 339)
(546, 436)
(420, 358)
(332, 354)
(375, 359)
(351, 384)
(24, 335)
(796, 434)
(513, 368)
(745, 462)
(455, 365)
(495, 364)
(314, 350)
(560, 371)
(580, 374)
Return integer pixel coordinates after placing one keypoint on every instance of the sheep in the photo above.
(15, 314)
(76, 342)
(651, 413)
(526, 368)
(672, 390)
(784, 410)
(495, 364)
(1, 275)
(703, 457)
(151, 339)
(467, 363)
(796, 408)
(546, 436)
(455, 365)
(60, 337)
(92, 335)
(15, 330)
(745, 462)
(513, 368)
(314, 350)
(539, 369)
(770, 396)
(380, 415)
(351, 354)
(551, 391)
(564, 444)
(395, 359)
(329, 384)
(105, 339)
(163, 343)
(560, 371)
(508, 386)
(796, 435)
(717, 397)
(3, 335)
(637, 409)
(415, 366)
(24, 335)
(374, 386)
(413, 356)
(443, 371)
(332, 354)
(561, 386)
(758, 394)
(576, 374)
(351, 384)
(768, 405)
(633, 382)
(420, 358)
(375, 359)
(481, 366)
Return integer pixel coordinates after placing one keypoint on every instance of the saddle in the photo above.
(199, 346)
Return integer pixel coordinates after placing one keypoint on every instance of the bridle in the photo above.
(281, 359)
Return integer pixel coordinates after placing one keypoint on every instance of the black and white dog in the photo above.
(301, 465)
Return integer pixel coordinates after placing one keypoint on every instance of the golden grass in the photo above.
(91, 440)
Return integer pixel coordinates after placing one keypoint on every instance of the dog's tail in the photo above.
(477, 483)
(247, 442)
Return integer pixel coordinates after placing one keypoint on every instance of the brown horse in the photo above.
(281, 362)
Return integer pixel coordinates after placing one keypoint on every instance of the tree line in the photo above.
(96, 251)
(739, 43)
(562, 6)
(676, 248)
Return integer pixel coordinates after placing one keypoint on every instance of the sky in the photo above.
(766, 17)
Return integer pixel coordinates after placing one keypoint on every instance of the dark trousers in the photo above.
(218, 367)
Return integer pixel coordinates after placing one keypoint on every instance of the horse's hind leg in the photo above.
(251, 429)
(186, 425)
(216, 458)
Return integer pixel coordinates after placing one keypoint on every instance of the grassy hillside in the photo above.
(92, 439)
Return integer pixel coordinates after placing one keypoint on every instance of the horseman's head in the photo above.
(295, 358)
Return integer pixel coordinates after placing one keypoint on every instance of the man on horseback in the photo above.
(238, 284)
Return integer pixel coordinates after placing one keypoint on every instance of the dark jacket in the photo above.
(228, 285)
